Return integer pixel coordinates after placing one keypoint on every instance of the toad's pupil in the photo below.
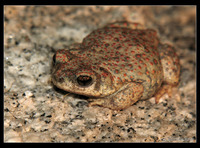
(84, 80)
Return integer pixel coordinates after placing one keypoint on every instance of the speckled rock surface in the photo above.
(34, 111)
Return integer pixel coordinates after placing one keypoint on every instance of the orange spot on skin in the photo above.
(140, 81)
(118, 81)
(125, 24)
(138, 56)
(147, 59)
(140, 61)
(161, 54)
(130, 65)
(139, 73)
(155, 61)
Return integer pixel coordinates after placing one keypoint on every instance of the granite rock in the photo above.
(35, 111)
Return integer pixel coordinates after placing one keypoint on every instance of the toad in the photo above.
(117, 65)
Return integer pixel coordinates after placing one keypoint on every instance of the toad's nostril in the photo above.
(84, 80)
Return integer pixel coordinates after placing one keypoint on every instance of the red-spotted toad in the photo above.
(117, 65)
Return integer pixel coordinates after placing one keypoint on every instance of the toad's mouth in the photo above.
(84, 80)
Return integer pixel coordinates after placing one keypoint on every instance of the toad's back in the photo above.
(129, 55)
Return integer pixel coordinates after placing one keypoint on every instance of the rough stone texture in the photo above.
(34, 111)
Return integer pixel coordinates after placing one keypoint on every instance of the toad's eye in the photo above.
(84, 80)
(54, 59)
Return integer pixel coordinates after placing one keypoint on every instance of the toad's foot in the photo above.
(122, 99)
(165, 89)
(171, 70)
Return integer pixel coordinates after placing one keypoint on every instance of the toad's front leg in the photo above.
(122, 99)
